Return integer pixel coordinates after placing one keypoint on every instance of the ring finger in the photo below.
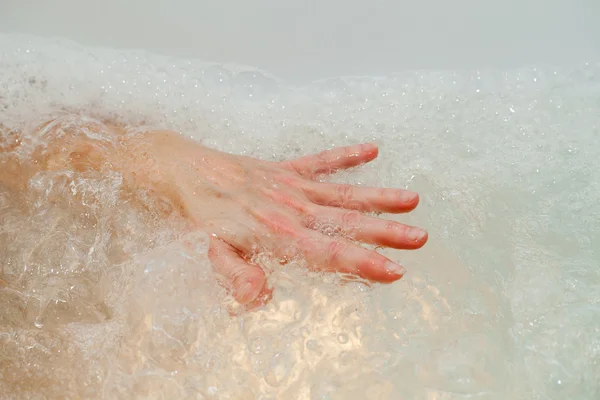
(371, 230)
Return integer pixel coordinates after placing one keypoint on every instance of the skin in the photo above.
(245, 205)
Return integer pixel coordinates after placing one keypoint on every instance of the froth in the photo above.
(501, 303)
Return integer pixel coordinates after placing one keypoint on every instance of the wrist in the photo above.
(148, 162)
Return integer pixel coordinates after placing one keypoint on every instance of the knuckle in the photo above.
(348, 151)
(322, 157)
(351, 219)
(291, 166)
(345, 194)
(335, 249)
(392, 227)
(310, 220)
(240, 275)
(279, 224)
(288, 179)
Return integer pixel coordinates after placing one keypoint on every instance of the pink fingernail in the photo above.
(407, 196)
(416, 234)
(394, 268)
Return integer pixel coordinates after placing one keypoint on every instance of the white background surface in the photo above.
(307, 39)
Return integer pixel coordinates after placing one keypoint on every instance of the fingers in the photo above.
(246, 281)
(364, 199)
(337, 254)
(375, 231)
(330, 161)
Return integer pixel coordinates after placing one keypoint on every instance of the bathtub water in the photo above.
(101, 301)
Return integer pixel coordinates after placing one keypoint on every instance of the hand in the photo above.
(249, 206)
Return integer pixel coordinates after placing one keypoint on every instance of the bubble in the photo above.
(278, 370)
(502, 300)
(257, 345)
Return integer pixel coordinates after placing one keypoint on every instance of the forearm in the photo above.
(66, 143)
(87, 146)
(13, 172)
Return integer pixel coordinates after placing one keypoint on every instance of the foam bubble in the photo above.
(101, 301)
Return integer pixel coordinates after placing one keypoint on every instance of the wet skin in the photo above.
(246, 205)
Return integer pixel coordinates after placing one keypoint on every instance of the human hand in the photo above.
(249, 206)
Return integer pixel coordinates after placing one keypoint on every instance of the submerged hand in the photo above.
(250, 206)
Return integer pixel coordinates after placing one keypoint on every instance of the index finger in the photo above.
(330, 161)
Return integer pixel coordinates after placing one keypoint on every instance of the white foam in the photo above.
(502, 302)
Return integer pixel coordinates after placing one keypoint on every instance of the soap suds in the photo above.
(502, 303)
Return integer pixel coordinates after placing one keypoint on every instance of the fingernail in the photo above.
(407, 196)
(416, 234)
(394, 268)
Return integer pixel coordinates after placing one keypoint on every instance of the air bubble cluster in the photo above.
(99, 300)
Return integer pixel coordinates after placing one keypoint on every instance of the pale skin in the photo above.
(246, 205)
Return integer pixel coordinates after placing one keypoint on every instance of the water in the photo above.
(102, 301)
